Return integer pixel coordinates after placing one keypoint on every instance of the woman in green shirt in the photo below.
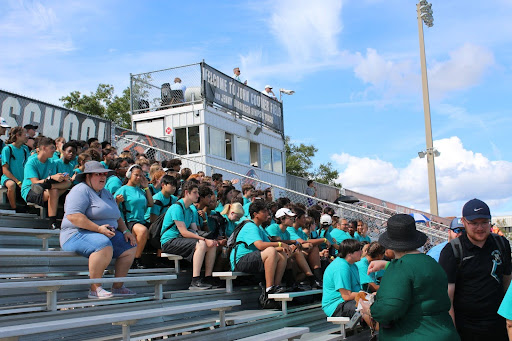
(412, 302)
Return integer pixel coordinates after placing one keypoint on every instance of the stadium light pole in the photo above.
(424, 11)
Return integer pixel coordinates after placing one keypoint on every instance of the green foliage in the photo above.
(102, 103)
(299, 163)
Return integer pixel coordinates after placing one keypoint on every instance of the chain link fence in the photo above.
(375, 218)
(166, 88)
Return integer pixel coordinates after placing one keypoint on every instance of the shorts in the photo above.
(34, 198)
(251, 263)
(345, 309)
(184, 247)
(131, 223)
(85, 242)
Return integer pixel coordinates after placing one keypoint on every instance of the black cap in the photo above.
(30, 126)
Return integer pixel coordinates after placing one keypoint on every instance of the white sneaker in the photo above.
(99, 293)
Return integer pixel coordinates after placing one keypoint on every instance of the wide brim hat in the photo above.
(92, 167)
(401, 234)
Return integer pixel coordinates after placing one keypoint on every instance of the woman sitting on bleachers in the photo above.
(93, 227)
(135, 198)
(232, 213)
(14, 157)
(375, 251)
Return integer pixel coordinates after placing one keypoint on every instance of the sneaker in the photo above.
(279, 289)
(123, 291)
(317, 284)
(198, 284)
(303, 286)
(137, 264)
(99, 293)
(213, 281)
(55, 226)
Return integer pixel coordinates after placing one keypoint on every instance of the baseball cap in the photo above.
(3, 123)
(30, 126)
(475, 209)
(284, 211)
(268, 86)
(325, 219)
(456, 225)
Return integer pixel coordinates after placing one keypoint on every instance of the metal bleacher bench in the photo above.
(43, 211)
(125, 319)
(51, 287)
(344, 322)
(229, 276)
(284, 298)
(288, 333)
(175, 258)
(43, 234)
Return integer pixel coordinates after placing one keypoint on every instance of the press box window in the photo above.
(188, 141)
(243, 152)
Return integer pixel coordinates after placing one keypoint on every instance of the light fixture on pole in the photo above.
(432, 151)
(286, 92)
(424, 12)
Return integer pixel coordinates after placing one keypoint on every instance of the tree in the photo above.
(102, 103)
(299, 163)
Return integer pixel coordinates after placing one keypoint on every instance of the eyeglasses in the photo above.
(484, 224)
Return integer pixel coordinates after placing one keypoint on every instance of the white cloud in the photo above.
(307, 30)
(464, 69)
(461, 175)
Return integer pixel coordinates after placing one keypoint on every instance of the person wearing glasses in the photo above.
(92, 227)
(454, 231)
(478, 276)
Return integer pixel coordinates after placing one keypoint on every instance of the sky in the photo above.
(354, 65)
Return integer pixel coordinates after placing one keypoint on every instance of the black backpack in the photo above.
(232, 243)
(459, 254)
(155, 229)
(220, 224)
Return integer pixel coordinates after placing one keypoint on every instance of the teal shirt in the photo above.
(113, 184)
(135, 202)
(56, 155)
(505, 309)
(159, 209)
(176, 213)
(275, 231)
(361, 238)
(246, 209)
(246, 201)
(17, 162)
(325, 234)
(104, 164)
(249, 234)
(364, 278)
(219, 207)
(296, 233)
(36, 169)
(230, 225)
(78, 171)
(338, 275)
(339, 235)
(63, 167)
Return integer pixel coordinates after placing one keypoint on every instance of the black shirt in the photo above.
(478, 282)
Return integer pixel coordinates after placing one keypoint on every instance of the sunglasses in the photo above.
(456, 230)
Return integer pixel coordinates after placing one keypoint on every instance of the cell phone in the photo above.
(65, 174)
(111, 228)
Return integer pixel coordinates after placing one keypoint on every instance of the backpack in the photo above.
(155, 229)
(459, 255)
(232, 243)
(220, 224)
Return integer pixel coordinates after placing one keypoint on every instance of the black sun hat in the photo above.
(401, 234)
(92, 167)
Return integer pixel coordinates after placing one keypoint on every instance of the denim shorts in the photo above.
(85, 242)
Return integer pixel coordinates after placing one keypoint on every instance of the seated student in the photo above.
(14, 157)
(341, 281)
(224, 197)
(375, 251)
(180, 237)
(203, 208)
(109, 154)
(232, 213)
(362, 232)
(115, 181)
(323, 232)
(59, 142)
(93, 227)
(41, 181)
(66, 164)
(247, 192)
(134, 201)
(309, 246)
(154, 182)
(255, 253)
(163, 199)
(285, 218)
(81, 160)
(337, 234)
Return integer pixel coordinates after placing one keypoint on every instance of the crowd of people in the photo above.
(121, 206)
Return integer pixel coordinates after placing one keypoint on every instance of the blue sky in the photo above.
(353, 64)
